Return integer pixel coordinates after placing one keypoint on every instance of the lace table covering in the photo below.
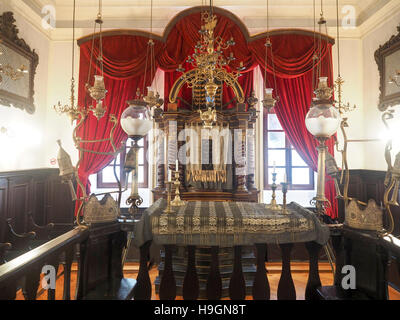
(226, 224)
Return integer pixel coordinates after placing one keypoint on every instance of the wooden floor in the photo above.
(299, 274)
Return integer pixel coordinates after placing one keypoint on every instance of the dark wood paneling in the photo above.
(39, 200)
(19, 201)
(39, 192)
(59, 206)
(3, 207)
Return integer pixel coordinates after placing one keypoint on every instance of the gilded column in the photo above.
(251, 163)
(160, 161)
(240, 152)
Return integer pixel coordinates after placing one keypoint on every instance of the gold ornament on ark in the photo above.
(210, 64)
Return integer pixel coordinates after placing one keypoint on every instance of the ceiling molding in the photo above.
(195, 10)
(389, 10)
(28, 10)
(368, 12)
(371, 16)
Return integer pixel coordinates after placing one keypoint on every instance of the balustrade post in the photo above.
(67, 263)
(51, 293)
(31, 283)
(168, 283)
(261, 289)
(314, 281)
(337, 244)
(190, 289)
(286, 288)
(142, 290)
(237, 285)
(81, 279)
(214, 281)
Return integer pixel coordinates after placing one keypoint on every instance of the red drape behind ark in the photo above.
(124, 72)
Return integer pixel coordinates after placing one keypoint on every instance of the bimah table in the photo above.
(227, 224)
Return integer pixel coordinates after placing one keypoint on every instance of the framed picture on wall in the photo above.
(17, 67)
(388, 59)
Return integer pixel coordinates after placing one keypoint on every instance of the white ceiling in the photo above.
(136, 13)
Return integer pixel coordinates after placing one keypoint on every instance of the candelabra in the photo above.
(177, 202)
(284, 191)
(273, 205)
(168, 185)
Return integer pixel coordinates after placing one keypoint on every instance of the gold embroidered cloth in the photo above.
(228, 223)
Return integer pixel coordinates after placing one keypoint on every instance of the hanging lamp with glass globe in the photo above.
(323, 119)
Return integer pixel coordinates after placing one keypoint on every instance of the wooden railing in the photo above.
(237, 286)
(25, 270)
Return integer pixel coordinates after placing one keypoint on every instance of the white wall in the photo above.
(351, 66)
(373, 156)
(59, 89)
(24, 147)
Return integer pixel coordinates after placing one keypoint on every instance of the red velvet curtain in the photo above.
(294, 68)
(124, 61)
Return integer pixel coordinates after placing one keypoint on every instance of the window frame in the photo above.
(288, 161)
(108, 185)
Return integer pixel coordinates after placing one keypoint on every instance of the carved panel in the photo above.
(19, 196)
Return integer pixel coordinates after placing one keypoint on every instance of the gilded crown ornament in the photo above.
(368, 217)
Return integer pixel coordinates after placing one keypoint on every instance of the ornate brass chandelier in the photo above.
(210, 65)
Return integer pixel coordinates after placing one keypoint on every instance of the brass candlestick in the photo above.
(131, 164)
(273, 205)
(168, 184)
(177, 202)
(284, 191)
